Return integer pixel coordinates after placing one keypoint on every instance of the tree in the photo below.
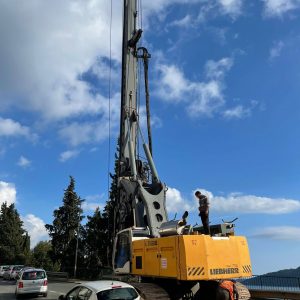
(14, 240)
(41, 255)
(95, 240)
(109, 210)
(66, 229)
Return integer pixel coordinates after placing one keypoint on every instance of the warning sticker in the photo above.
(164, 263)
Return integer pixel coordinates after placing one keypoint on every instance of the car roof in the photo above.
(101, 285)
(32, 270)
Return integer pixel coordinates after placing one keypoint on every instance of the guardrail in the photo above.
(271, 287)
(274, 295)
(57, 276)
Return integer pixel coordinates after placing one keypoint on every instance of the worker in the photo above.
(203, 211)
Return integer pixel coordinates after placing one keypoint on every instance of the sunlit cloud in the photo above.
(276, 50)
(23, 162)
(11, 128)
(277, 8)
(232, 203)
(64, 156)
(8, 193)
(278, 233)
(35, 227)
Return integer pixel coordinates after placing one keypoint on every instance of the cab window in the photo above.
(123, 249)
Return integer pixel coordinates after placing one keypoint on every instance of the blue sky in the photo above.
(224, 84)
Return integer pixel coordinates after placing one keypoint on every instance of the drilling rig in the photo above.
(171, 259)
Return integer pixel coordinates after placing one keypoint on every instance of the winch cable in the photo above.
(109, 101)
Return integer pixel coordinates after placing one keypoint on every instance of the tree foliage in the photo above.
(41, 256)
(95, 240)
(109, 210)
(66, 228)
(14, 240)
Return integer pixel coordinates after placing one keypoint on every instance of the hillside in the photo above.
(288, 278)
(285, 273)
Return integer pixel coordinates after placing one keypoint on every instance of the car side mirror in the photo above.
(61, 297)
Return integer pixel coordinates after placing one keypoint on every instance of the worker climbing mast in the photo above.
(175, 257)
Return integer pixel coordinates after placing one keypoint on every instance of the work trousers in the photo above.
(205, 222)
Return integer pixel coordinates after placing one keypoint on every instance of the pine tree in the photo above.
(14, 240)
(109, 210)
(66, 229)
(95, 241)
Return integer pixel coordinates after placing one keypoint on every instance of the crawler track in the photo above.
(151, 291)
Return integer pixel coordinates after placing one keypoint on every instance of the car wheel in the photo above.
(45, 295)
(18, 296)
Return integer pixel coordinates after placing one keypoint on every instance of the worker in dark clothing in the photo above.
(203, 211)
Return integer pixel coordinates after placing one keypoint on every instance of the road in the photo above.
(7, 290)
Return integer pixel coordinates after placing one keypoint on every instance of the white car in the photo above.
(3, 269)
(15, 271)
(102, 290)
(32, 281)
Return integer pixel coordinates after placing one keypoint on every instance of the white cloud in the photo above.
(218, 69)
(24, 162)
(9, 127)
(232, 203)
(64, 156)
(276, 50)
(184, 22)
(278, 233)
(82, 133)
(176, 203)
(231, 7)
(202, 98)
(35, 228)
(277, 8)
(237, 112)
(90, 206)
(93, 201)
(239, 203)
(8, 192)
(76, 133)
(172, 82)
(60, 42)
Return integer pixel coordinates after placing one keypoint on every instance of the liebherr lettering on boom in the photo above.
(174, 258)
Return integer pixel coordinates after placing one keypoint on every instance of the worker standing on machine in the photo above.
(203, 211)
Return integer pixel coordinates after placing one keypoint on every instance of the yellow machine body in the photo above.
(192, 257)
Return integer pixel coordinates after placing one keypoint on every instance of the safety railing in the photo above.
(272, 283)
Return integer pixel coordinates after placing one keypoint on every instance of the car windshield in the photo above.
(119, 293)
(33, 275)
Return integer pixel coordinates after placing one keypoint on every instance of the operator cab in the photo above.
(122, 250)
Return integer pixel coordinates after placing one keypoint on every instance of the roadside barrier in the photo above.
(57, 276)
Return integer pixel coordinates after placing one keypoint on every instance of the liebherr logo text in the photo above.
(224, 271)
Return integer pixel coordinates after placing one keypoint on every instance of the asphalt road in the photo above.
(7, 290)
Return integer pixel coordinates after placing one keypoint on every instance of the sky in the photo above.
(224, 87)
